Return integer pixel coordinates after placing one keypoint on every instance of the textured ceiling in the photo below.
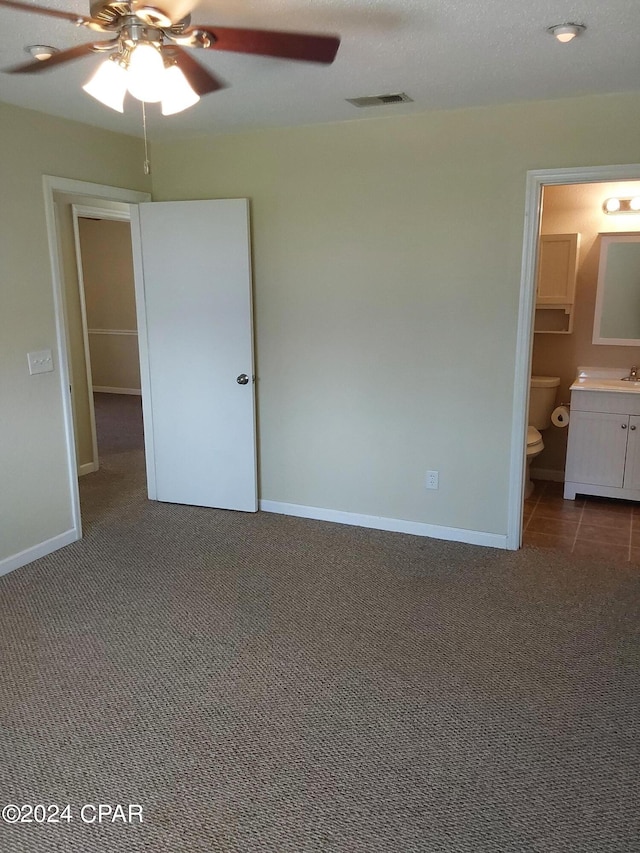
(444, 53)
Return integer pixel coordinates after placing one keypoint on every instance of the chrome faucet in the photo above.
(633, 375)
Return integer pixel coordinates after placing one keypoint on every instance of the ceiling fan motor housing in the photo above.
(110, 14)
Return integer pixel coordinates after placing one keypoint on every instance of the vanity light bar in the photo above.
(622, 205)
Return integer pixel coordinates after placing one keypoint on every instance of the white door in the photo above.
(193, 294)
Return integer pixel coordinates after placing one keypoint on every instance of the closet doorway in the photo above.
(102, 343)
(107, 313)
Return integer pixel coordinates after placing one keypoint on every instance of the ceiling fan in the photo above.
(146, 54)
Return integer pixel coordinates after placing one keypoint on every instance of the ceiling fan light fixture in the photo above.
(178, 95)
(41, 51)
(108, 85)
(145, 55)
(566, 32)
(145, 74)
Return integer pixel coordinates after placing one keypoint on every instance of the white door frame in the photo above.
(536, 180)
(99, 192)
(80, 211)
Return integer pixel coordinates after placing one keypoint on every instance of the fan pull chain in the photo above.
(147, 164)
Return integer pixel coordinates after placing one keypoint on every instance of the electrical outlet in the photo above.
(432, 480)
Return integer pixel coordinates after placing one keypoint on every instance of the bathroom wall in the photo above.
(567, 209)
(107, 267)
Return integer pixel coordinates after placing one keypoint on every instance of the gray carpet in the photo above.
(262, 683)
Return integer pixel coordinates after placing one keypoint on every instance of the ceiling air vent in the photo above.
(380, 100)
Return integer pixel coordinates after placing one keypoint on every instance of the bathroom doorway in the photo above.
(562, 342)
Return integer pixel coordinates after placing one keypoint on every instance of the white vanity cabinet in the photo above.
(603, 453)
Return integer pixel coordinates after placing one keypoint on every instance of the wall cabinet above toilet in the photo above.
(556, 284)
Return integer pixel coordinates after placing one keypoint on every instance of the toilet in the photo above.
(542, 401)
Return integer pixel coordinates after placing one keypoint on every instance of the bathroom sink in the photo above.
(592, 383)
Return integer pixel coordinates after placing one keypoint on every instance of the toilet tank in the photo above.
(542, 400)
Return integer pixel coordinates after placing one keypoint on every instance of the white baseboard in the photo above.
(547, 474)
(87, 468)
(394, 525)
(105, 389)
(30, 554)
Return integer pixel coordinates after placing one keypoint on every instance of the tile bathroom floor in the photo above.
(587, 526)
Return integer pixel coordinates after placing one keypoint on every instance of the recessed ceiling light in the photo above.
(41, 51)
(566, 32)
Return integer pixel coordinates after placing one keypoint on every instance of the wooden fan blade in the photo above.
(76, 52)
(310, 48)
(201, 80)
(43, 10)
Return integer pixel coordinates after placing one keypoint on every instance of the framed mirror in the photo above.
(617, 316)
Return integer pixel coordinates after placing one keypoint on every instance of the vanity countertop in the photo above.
(608, 379)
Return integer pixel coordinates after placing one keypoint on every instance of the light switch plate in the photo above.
(40, 362)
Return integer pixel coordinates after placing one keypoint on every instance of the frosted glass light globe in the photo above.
(108, 85)
(178, 94)
(145, 77)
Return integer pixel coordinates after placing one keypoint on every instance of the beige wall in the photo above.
(34, 497)
(107, 267)
(569, 209)
(387, 258)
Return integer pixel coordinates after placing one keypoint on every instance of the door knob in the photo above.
(243, 379)
(632, 427)
(624, 426)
